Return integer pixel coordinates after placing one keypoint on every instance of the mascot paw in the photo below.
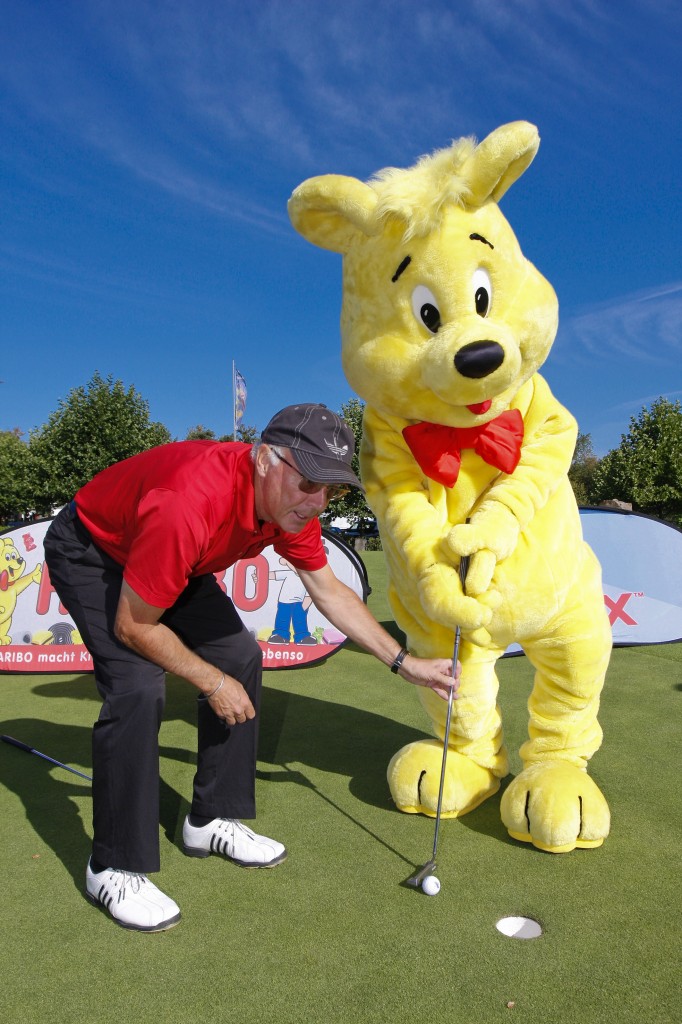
(440, 595)
(556, 807)
(414, 780)
(480, 574)
(493, 527)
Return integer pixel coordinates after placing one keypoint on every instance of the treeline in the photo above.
(104, 421)
(96, 425)
(645, 471)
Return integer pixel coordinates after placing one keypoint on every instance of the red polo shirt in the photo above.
(185, 509)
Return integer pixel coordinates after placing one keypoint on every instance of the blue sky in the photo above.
(149, 149)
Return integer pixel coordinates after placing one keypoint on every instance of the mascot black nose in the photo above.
(479, 359)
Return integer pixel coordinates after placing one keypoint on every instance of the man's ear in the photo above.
(262, 461)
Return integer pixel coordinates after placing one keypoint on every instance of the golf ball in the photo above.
(431, 885)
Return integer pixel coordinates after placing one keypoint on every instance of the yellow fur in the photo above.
(430, 238)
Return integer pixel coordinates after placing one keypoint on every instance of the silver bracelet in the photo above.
(207, 696)
(399, 659)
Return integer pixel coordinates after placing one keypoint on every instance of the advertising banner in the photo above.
(37, 634)
(641, 559)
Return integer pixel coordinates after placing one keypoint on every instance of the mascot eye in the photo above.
(483, 291)
(425, 308)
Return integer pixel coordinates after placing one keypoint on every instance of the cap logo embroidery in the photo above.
(337, 449)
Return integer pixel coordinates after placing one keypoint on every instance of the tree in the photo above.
(201, 433)
(646, 469)
(245, 434)
(15, 493)
(352, 506)
(96, 425)
(582, 470)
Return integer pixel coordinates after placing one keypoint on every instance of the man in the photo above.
(133, 558)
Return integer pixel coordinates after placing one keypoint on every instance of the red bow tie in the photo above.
(438, 449)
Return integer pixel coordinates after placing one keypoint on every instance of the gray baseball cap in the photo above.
(321, 443)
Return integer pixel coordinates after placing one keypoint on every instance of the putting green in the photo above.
(332, 935)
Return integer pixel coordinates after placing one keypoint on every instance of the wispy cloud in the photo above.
(645, 327)
(71, 280)
(635, 404)
(303, 85)
(173, 91)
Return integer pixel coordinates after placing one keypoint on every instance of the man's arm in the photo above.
(138, 627)
(351, 616)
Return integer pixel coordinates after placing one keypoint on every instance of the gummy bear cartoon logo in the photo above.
(14, 579)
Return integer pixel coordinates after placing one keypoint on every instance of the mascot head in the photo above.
(443, 317)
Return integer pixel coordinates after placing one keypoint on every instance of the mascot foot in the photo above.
(556, 807)
(414, 780)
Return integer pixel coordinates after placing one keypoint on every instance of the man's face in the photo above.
(283, 495)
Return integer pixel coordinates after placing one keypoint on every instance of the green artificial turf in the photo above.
(332, 935)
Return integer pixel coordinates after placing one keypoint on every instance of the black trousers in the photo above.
(125, 748)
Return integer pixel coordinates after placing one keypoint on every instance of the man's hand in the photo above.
(436, 673)
(138, 627)
(231, 702)
(351, 616)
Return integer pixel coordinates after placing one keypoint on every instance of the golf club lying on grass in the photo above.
(425, 878)
(32, 750)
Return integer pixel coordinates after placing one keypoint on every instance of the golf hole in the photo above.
(519, 927)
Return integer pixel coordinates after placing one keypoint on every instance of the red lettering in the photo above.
(45, 592)
(616, 609)
(246, 574)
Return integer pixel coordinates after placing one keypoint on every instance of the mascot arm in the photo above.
(413, 527)
(512, 501)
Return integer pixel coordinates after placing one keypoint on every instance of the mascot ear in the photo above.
(499, 160)
(332, 209)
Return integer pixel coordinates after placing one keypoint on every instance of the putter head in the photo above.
(415, 880)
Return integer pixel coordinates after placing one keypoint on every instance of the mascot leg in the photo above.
(553, 803)
(476, 758)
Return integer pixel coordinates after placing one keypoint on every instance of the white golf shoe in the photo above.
(233, 840)
(131, 899)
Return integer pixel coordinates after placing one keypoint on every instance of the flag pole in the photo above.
(234, 404)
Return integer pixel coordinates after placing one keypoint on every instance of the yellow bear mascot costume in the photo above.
(465, 453)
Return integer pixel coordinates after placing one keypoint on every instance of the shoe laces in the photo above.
(128, 879)
(233, 825)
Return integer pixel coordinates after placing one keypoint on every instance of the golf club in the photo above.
(418, 877)
(32, 750)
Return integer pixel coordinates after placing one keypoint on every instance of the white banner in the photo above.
(641, 561)
(37, 634)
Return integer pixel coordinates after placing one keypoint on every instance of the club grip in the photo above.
(464, 566)
(17, 743)
(463, 570)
